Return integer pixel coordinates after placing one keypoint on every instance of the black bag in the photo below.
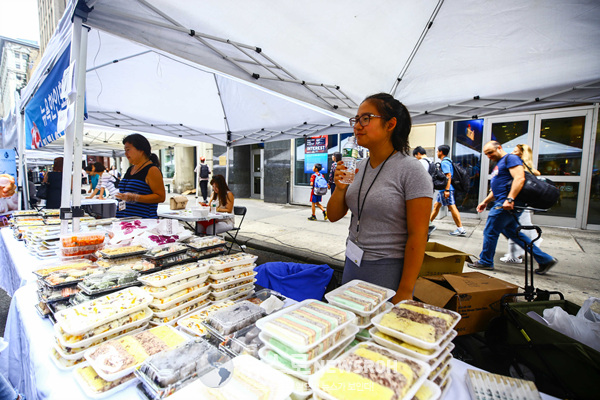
(204, 171)
(537, 192)
(460, 178)
(431, 168)
(42, 192)
(116, 181)
(439, 178)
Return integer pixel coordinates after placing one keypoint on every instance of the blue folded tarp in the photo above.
(296, 281)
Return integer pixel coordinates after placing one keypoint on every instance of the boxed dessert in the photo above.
(118, 251)
(474, 295)
(162, 292)
(411, 350)
(204, 242)
(235, 317)
(440, 259)
(360, 297)
(171, 315)
(108, 282)
(96, 387)
(193, 324)
(175, 274)
(82, 239)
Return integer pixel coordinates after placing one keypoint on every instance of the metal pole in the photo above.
(22, 171)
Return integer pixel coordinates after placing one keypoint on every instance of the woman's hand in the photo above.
(7, 185)
(128, 197)
(340, 173)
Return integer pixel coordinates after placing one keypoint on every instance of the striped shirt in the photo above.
(107, 181)
(137, 184)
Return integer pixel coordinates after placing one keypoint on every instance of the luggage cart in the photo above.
(559, 365)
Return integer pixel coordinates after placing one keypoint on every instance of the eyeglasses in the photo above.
(363, 120)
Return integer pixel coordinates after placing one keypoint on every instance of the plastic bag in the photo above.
(583, 327)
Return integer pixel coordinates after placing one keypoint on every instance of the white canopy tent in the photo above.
(238, 72)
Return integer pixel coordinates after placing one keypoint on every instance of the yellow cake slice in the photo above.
(346, 385)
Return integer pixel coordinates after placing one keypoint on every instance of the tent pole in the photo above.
(22, 171)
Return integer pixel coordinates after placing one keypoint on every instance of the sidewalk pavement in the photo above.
(285, 229)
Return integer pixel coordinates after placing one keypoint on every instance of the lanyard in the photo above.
(360, 210)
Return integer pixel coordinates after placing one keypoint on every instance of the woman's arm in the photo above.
(154, 179)
(94, 192)
(417, 225)
(336, 206)
(229, 207)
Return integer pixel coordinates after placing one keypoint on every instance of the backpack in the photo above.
(439, 178)
(320, 187)
(204, 171)
(460, 178)
(431, 168)
(116, 181)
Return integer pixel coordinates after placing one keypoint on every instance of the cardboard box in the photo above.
(475, 296)
(440, 259)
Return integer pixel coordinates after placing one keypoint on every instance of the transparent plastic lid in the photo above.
(82, 239)
(236, 317)
(165, 250)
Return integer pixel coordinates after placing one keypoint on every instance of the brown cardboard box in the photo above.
(440, 259)
(470, 294)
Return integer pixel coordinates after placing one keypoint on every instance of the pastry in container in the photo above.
(96, 387)
(236, 317)
(169, 316)
(165, 250)
(49, 295)
(207, 253)
(360, 297)
(178, 298)
(72, 251)
(244, 341)
(232, 279)
(193, 324)
(170, 260)
(62, 363)
(234, 293)
(60, 266)
(117, 251)
(107, 282)
(173, 275)
(82, 239)
(204, 242)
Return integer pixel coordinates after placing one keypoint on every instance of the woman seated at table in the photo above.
(225, 198)
(142, 187)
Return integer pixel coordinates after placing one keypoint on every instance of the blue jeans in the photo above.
(7, 392)
(499, 222)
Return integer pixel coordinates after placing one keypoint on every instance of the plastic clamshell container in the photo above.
(80, 354)
(82, 239)
(73, 276)
(193, 322)
(204, 242)
(75, 321)
(235, 317)
(61, 265)
(165, 250)
(220, 263)
(78, 250)
(87, 285)
(110, 374)
(313, 381)
(244, 341)
(233, 293)
(181, 299)
(224, 275)
(435, 352)
(166, 372)
(166, 292)
(350, 317)
(63, 364)
(233, 281)
(332, 300)
(118, 251)
(264, 294)
(164, 278)
(49, 295)
(278, 385)
(190, 302)
(93, 339)
(124, 383)
(366, 320)
(411, 339)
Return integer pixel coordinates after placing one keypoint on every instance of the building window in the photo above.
(167, 162)
(466, 151)
(17, 66)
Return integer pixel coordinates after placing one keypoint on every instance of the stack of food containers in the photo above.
(168, 255)
(176, 291)
(112, 363)
(193, 323)
(206, 246)
(88, 324)
(300, 338)
(364, 299)
(80, 245)
(422, 331)
(43, 242)
(231, 276)
(124, 258)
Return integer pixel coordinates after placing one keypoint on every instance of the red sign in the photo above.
(316, 144)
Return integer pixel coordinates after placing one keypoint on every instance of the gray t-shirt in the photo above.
(383, 231)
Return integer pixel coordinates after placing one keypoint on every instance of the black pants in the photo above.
(204, 190)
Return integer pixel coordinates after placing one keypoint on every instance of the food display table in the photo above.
(16, 263)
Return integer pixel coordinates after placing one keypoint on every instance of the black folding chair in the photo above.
(233, 232)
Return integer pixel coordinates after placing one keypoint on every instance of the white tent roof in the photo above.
(286, 69)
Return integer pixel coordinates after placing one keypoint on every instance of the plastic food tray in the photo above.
(401, 349)
(73, 282)
(62, 364)
(59, 266)
(224, 275)
(220, 263)
(225, 323)
(134, 275)
(435, 389)
(181, 299)
(100, 395)
(301, 348)
(199, 321)
(194, 269)
(91, 340)
(65, 318)
(233, 281)
(108, 254)
(411, 339)
(233, 292)
(195, 280)
(264, 294)
(443, 367)
(82, 239)
(43, 295)
(79, 250)
(112, 376)
(202, 248)
(331, 297)
(385, 307)
(152, 254)
(204, 242)
(301, 395)
(313, 381)
(80, 354)
(304, 375)
(170, 312)
(182, 258)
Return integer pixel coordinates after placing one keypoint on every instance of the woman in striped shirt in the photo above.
(142, 187)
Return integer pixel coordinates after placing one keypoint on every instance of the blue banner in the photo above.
(315, 158)
(41, 114)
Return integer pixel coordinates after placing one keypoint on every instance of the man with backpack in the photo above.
(445, 196)
(204, 177)
(420, 154)
(319, 188)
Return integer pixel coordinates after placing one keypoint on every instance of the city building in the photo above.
(49, 14)
(16, 64)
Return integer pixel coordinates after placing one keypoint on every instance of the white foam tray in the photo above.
(90, 393)
(224, 275)
(233, 282)
(171, 311)
(411, 339)
(166, 306)
(225, 294)
(166, 293)
(219, 267)
(59, 363)
(400, 349)
(301, 348)
(314, 379)
(331, 297)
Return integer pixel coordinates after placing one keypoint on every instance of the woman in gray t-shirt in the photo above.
(390, 200)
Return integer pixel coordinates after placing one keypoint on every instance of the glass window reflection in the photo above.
(594, 199)
(509, 134)
(561, 144)
(468, 136)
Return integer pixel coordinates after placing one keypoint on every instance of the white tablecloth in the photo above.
(16, 263)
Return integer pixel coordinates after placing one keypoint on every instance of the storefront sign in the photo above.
(315, 152)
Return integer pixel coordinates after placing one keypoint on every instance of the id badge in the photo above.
(354, 253)
(122, 205)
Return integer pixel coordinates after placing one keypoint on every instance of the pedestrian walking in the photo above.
(205, 172)
(315, 199)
